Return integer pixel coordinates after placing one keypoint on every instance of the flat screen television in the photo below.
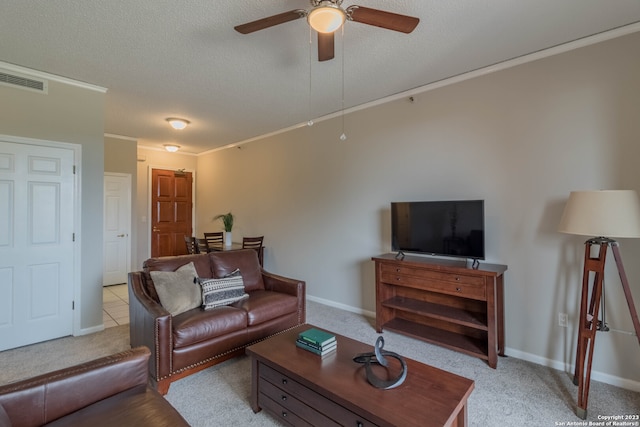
(452, 228)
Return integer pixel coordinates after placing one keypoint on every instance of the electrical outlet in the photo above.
(562, 319)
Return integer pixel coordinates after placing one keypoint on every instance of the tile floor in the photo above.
(115, 305)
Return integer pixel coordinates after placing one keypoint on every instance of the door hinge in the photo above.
(73, 305)
(74, 169)
(73, 237)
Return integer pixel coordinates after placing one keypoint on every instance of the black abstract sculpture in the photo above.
(378, 357)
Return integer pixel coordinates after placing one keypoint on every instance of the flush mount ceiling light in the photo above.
(327, 17)
(172, 148)
(178, 123)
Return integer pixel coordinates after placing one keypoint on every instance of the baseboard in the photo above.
(344, 307)
(91, 330)
(555, 364)
(570, 368)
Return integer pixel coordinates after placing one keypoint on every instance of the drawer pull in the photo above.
(284, 414)
(284, 381)
(458, 289)
(359, 424)
(457, 279)
(283, 398)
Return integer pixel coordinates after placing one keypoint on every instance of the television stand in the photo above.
(443, 302)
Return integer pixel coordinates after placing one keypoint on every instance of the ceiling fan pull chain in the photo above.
(343, 137)
(310, 121)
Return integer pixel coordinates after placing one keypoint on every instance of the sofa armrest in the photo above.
(42, 399)
(285, 285)
(150, 326)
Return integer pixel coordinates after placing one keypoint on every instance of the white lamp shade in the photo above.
(326, 18)
(603, 213)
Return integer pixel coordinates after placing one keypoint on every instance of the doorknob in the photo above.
(120, 235)
(155, 229)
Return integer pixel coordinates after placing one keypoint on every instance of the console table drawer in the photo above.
(459, 289)
(452, 284)
(428, 274)
(296, 397)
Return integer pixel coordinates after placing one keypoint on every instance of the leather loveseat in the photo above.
(110, 391)
(193, 340)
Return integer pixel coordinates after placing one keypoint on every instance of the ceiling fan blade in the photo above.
(325, 46)
(270, 21)
(382, 19)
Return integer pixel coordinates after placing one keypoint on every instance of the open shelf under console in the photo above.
(443, 302)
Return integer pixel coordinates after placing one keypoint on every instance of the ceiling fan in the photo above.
(327, 16)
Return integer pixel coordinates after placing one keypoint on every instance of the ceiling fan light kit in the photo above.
(327, 17)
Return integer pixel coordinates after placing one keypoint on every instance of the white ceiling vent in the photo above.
(13, 79)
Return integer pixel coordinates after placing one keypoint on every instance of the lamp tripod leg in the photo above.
(588, 323)
(625, 287)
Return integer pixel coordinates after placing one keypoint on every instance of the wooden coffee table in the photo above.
(301, 388)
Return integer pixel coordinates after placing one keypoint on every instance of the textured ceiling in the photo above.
(162, 58)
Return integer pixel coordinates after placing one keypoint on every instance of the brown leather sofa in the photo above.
(110, 391)
(196, 339)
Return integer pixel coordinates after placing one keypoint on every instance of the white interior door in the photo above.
(36, 243)
(117, 228)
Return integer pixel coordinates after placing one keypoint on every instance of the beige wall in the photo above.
(521, 139)
(120, 156)
(72, 114)
(154, 159)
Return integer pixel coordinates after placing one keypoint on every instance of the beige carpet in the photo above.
(25, 362)
(517, 393)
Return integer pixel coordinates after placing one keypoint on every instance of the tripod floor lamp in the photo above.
(607, 214)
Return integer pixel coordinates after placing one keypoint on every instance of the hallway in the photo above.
(115, 305)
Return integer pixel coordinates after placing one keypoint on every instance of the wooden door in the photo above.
(171, 216)
(37, 206)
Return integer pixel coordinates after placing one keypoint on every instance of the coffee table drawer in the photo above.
(288, 408)
(283, 414)
(288, 392)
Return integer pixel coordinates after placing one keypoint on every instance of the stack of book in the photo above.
(317, 341)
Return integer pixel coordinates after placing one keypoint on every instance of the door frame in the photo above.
(128, 178)
(77, 220)
(150, 169)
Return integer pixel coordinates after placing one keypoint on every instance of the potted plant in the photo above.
(227, 222)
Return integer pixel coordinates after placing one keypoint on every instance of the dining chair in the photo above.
(202, 246)
(254, 243)
(214, 239)
(192, 247)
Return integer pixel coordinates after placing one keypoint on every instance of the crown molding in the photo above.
(179, 152)
(509, 63)
(126, 138)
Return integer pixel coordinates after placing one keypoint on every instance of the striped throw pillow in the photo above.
(224, 291)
